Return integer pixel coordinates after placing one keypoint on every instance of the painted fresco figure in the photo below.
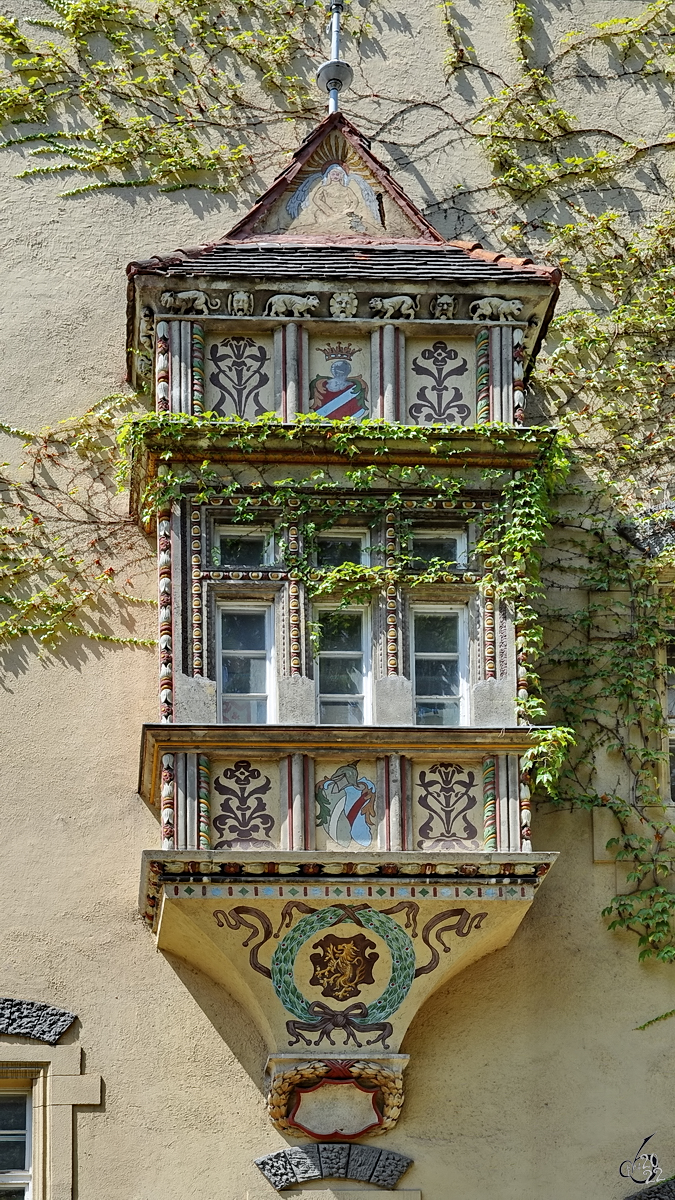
(335, 194)
(346, 803)
(339, 394)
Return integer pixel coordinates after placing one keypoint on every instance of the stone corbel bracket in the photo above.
(333, 1160)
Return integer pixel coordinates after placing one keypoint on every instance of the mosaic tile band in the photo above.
(340, 891)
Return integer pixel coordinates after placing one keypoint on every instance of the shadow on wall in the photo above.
(228, 1018)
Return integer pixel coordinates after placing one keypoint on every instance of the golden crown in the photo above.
(338, 351)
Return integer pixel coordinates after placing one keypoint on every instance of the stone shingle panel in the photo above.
(333, 1160)
(31, 1019)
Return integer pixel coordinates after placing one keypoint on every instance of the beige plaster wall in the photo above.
(527, 1078)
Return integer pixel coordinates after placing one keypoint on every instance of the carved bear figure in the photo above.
(188, 302)
(493, 308)
(390, 306)
(286, 305)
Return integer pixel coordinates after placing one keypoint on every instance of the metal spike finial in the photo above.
(335, 74)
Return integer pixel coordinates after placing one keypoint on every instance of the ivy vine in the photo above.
(582, 547)
(69, 553)
(172, 94)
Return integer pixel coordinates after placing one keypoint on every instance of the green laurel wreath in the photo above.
(400, 948)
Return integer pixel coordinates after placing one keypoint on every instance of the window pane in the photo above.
(12, 1113)
(424, 549)
(436, 677)
(341, 675)
(341, 712)
(341, 631)
(436, 634)
(242, 552)
(245, 675)
(332, 552)
(12, 1193)
(12, 1153)
(243, 631)
(432, 712)
(244, 712)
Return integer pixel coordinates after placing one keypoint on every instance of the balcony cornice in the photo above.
(276, 740)
(441, 449)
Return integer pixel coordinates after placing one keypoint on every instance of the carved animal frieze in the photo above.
(443, 307)
(493, 308)
(240, 304)
(388, 307)
(343, 304)
(188, 302)
(287, 305)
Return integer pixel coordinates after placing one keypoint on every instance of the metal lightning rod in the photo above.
(334, 75)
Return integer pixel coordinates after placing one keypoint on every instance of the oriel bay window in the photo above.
(246, 690)
(15, 1145)
(343, 672)
(439, 659)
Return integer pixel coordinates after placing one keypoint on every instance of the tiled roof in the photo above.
(247, 251)
(285, 259)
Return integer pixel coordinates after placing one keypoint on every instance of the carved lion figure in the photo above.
(240, 304)
(443, 307)
(286, 305)
(390, 306)
(343, 304)
(493, 308)
(188, 302)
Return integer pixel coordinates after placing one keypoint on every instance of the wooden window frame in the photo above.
(367, 653)
(249, 606)
(432, 610)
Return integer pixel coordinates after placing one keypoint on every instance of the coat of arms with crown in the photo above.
(339, 394)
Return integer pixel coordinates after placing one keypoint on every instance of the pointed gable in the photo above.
(335, 188)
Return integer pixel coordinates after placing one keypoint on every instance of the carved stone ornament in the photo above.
(493, 308)
(146, 341)
(443, 307)
(287, 305)
(388, 307)
(240, 304)
(31, 1019)
(343, 304)
(333, 1160)
(188, 302)
(360, 1096)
